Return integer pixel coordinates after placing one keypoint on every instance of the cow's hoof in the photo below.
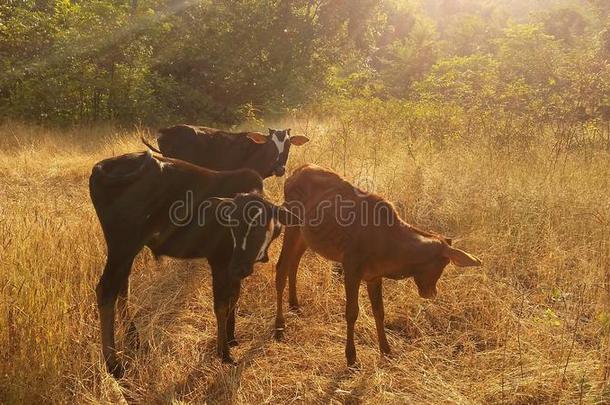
(385, 351)
(278, 333)
(233, 342)
(354, 365)
(295, 308)
(227, 359)
(352, 360)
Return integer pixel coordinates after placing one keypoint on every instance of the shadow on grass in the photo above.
(333, 392)
(404, 328)
(170, 293)
(224, 384)
(208, 380)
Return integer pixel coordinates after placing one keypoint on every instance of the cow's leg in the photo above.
(116, 272)
(231, 320)
(292, 250)
(222, 291)
(374, 289)
(299, 248)
(131, 333)
(293, 301)
(352, 275)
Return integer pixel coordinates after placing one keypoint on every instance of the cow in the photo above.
(184, 211)
(365, 234)
(221, 150)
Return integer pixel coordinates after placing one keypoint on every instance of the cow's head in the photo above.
(278, 141)
(254, 223)
(427, 274)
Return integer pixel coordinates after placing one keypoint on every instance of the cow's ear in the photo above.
(220, 200)
(222, 209)
(299, 140)
(286, 217)
(257, 137)
(271, 131)
(461, 258)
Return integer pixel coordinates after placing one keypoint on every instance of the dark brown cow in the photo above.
(364, 233)
(222, 150)
(165, 204)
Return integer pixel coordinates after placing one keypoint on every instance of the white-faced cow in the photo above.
(180, 210)
(221, 150)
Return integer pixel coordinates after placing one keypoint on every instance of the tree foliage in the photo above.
(216, 61)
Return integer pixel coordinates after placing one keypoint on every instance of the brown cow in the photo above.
(167, 205)
(221, 150)
(364, 233)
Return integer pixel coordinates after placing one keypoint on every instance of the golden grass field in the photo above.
(531, 326)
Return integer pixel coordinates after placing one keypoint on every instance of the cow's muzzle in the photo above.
(279, 171)
(241, 271)
(264, 259)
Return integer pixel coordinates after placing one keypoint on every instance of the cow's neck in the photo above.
(406, 247)
(254, 156)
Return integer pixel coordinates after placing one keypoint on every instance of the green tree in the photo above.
(527, 64)
(469, 81)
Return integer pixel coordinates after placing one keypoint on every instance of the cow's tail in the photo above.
(145, 142)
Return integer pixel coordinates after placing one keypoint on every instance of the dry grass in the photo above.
(531, 326)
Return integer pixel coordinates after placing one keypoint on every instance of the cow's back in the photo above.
(338, 216)
(206, 147)
(155, 199)
(123, 188)
(328, 206)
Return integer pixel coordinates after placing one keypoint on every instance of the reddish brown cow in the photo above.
(364, 233)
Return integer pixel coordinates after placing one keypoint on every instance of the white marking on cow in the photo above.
(243, 244)
(280, 144)
(234, 240)
(162, 165)
(267, 240)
